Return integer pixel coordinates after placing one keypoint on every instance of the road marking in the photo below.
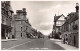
(18, 45)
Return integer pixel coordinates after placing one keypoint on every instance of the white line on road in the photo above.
(18, 45)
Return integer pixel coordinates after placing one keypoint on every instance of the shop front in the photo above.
(5, 31)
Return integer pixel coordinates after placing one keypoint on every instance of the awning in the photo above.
(6, 26)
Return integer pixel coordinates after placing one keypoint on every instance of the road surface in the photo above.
(32, 44)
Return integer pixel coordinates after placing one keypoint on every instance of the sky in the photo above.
(41, 13)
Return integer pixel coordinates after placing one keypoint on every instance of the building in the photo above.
(58, 22)
(39, 34)
(6, 24)
(71, 27)
(22, 27)
(20, 23)
(28, 28)
(30, 32)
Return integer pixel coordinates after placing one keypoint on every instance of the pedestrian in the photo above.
(6, 36)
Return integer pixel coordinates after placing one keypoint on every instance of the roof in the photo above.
(57, 17)
(11, 10)
(19, 11)
(71, 13)
(71, 17)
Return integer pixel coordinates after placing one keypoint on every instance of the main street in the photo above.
(31, 44)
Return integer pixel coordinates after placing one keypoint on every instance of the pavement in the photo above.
(35, 44)
(51, 45)
(65, 46)
(4, 40)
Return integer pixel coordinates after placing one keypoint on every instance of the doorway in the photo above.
(3, 34)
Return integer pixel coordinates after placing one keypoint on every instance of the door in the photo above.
(3, 33)
(74, 41)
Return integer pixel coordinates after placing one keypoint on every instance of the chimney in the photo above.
(65, 18)
(77, 7)
(24, 9)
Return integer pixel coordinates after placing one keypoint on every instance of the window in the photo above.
(70, 27)
(75, 27)
(21, 28)
(9, 13)
(21, 34)
(21, 22)
(26, 27)
(74, 23)
(66, 27)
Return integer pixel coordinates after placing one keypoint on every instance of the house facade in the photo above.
(71, 27)
(58, 22)
(6, 24)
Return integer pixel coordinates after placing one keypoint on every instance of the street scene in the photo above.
(39, 25)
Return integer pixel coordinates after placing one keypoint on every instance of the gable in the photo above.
(61, 18)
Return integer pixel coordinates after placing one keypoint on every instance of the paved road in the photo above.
(36, 44)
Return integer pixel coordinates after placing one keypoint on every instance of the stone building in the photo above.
(22, 27)
(20, 23)
(71, 27)
(29, 29)
(6, 24)
(32, 33)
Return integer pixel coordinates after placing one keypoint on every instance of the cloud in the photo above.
(44, 26)
(46, 32)
(57, 6)
(41, 13)
(47, 23)
(51, 8)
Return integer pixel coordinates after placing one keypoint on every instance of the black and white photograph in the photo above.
(40, 25)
